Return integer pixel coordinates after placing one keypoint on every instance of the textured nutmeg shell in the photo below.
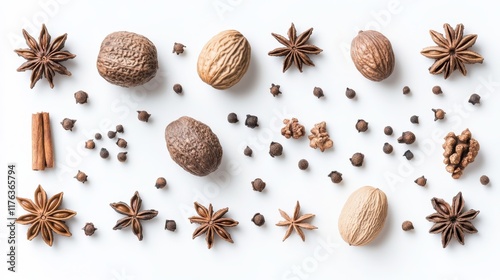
(127, 59)
(224, 59)
(193, 146)
(372, 55)
(363, 216)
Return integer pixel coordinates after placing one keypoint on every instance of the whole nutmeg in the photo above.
(160, 183)
(224, 59)
(143, 116)
(127, 59)
(335, 176)
(258, 185)
(81, 176)
(363, 216)
(372, 55)
(193, 146)
(81, 97)
(89, 229)
(357, 159)
(68, 124)
(407, 137)
(275, 149)
(258, 219)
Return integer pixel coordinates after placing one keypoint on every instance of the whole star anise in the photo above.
(450, 221)
(296, 49)
(296, 222)
(452, 52)
(44, 58)
(44, 216)
(134, 216)
(212, 223)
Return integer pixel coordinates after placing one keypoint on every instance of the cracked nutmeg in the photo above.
(459, 152)
(293, 129)
(319, 137)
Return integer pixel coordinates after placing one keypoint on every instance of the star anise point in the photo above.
(296, 222)
(212, 223)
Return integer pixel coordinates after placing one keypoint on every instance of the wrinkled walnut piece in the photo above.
(319, 137)
(459, 151)
(293, 129)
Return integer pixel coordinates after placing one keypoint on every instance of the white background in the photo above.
(258, 253)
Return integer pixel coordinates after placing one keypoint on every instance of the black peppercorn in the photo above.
(357, 159)
(81, 97)
(275, 90)
(258, 219)
(414, 119)
(485, 180)
(437, 90)
(119, 128)
(406, 90)
(350, 93)
(170, 225)
(275, 149)
(104, 153)
(122, 143)
(421, 181)
(89, 229)
(407, 138)
(303, 164)
(438, 114)
(177, 88)
(111, 134)
(408, 155)
(68, 124)
(143, 116)
(387, 148)
(248, 151)
(178, 48)
(318, 92)
(258, 185)
(361, 125)
(474, 99)
(388, 130)
(81, 176)
(122, 156)
(160, 183)
(335, 176)
(252, 121)
(98, 136)
(89, 144)
(232, 118)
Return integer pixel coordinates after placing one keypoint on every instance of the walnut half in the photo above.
(459, 151)
(319, 138)
(292, 129)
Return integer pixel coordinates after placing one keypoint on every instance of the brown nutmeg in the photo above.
(372, 55)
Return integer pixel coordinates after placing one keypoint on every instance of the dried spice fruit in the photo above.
(258, 219)
(122, 143)
(178, 48)
(98, 136)
(414, 119)
(421, 181)
(335, 176)
(408, 155)
(258, 185)
(438, 114)
(44, 216)
(43, 57)
(485, 180)
(319, 137)
(459, 152)
(406, 90)
(293, 129)
(224, 59)
(170, 225)
(318, 92)
(275, 90)
(81, 97)
(160, 183)
(252, 121)
(357, 159)
(104, 153)
(177, 88)
(388, 130)
(451, 222)
(363, 216)
(193, 146)
(350, 93)
(122, 156)
(474, 99)
(296, 48)
(372, 55)
(407, 137)
(275, 149)
(407, 225)
(232, 118)
(437, 90)
(361, 125)
(452, 52)
(68, 124)
(119, 128)
(133, 215)
(387, 148)
(81, 176)
(296, 222)
(127, 59)
(212, 223)
(303, 164)
(111, 134)
(248, 151)
(89, 229)
(89, 144)
(143, 116)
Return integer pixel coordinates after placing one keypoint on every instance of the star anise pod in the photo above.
(450, 221)
(296, 49)
(296, 222)
(452, 52)
(44, 57)
(134, 216)
(212, 223)
(44, 216)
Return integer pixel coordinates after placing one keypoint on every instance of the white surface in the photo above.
(258, 253)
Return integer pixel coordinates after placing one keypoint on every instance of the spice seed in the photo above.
(160, 183)
(438, 114)
(350, 93)
(437, 90)
(303, 164)
(89, 229)
(335, 176)
(275, 149)
(111, 134)
(104, 153)
(275, 90)
(119, 128)
(178, 48)
(232, 118)
(485, 180)
(407, 137)
(81, 97)
(248, 151)
(318, 92)
(81, 176)
(122, 156)
(475, 99)
(177, 88)
(143, 116)
(170, 225)
(361, 125)
(252, 121)
(421, 181)
(258, 185)
(258, 219)
(89, 144)
(68, 124)
(388, 130)
(406, 90)
(122, 143)
(414, 119)
(387, 148)
(98, 136)
(357, 159)
(408, 155)
(407, 225)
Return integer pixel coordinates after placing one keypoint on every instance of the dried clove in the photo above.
(89, 229)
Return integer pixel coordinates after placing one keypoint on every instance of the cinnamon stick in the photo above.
(37, 147)
(47, 141)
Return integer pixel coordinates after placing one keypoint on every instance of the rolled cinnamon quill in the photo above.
(41, 142)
